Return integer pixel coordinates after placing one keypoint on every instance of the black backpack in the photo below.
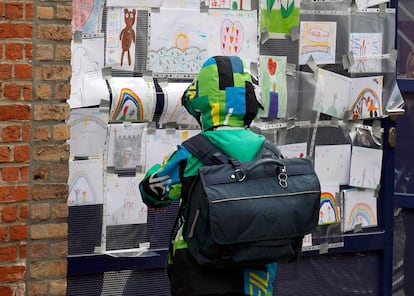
(248, 213)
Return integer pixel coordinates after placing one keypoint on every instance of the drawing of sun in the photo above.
(181, 41)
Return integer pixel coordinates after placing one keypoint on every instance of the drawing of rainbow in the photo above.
(328, 204)
(361, 214)
(80, 190)
(122, 110)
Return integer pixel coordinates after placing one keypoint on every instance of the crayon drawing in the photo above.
(126, 145)
(88, 87)
(360, 209)
(179, 41)
(123, 200)
(365, 48)
(133, 99)
(332, 93)
(161, 144)
(88, 131)
(317, 39)
(86, 15)
(120, 37)
(85, 182)
(233, 32)
(366, 165)
(279, 17)
(332, 163)
(173, 109)
(273, 86)
(329, 205)
(366, 97)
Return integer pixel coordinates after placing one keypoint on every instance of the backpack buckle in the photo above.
(239, 174)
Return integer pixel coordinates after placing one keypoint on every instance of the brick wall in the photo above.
(34, 85)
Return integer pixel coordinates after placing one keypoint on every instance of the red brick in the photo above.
(3, 233)
(24, 212)
(22, 252)
(24, 174)
(21, 153)
(14, 30)
(10, 174)
(8, 253)
(26, 132)
(29, 50)
(6, 291)
(12, 91)
(12, 273)
(14, 193)
(23, 71)
(9, 214)
(4, 154)
(29, 10)
(14, 10)
(14, 51)
(18, 232)
(14, 112)
(5, 71)
(11, 133)
(27, 92)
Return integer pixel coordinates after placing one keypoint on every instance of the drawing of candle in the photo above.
(273, 94)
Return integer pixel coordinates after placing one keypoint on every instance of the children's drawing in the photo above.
(127, 35)
(332, 163)
(85, 182)
(179, 41)
(369, 3)
(120, 37)
(278, 17)
(88, 87)
(173, 109)
(133, 99)
(86, 15)
(366, 48)
(88, 128)
(294, 150)
(337, 95)
(219, 4)
(232, 37)
(230, 4)
(331, 94)
(161, 144)
(126, 145)
(232, 32)
(366, 164)
(329, 206)
(366, 97)
(123, 201)
(360, 209)
(273, 86)
(317, 39)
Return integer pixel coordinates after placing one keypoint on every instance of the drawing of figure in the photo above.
(82, 68)
(372, 107)
(127, 35)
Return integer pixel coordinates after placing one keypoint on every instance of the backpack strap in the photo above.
(268, 150)
(200, 146)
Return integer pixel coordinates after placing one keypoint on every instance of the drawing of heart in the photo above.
(82, 10)
(271, 66)
(231, 37)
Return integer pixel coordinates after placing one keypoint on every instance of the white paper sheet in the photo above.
(332, 163)
(88, 87)
(123, 201)
(88, 127)
(360, 208)
(126, 145)
(85, 182)
(366, 165)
